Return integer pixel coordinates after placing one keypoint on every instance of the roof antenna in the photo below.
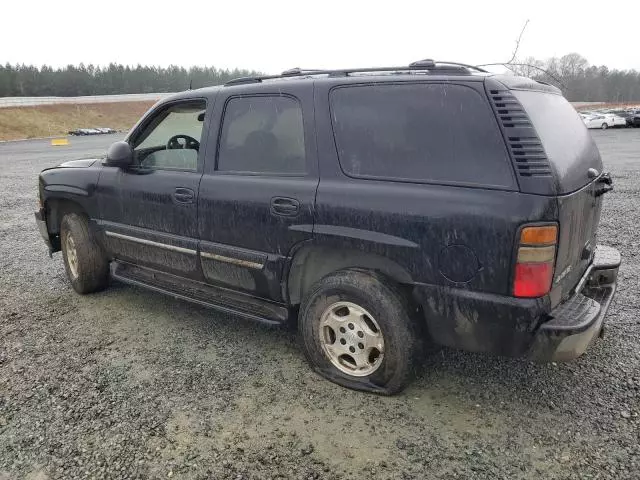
(190, 84)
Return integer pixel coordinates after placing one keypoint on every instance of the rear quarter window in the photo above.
(431, 133)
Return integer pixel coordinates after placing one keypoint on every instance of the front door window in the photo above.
(172, 139)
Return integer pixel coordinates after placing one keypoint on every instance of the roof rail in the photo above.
(471, 67)
(293, 72)
(420, 65)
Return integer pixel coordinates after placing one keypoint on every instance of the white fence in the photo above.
(33, 101)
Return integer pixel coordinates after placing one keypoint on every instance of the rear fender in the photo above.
(310, 263)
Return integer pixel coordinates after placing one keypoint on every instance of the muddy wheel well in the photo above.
(57, 208)
(310, 264)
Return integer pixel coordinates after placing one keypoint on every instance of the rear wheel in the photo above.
(84, 260)
(357, 332)
(604, 126)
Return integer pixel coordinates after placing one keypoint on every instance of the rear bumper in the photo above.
(521, 327)
(577, 322)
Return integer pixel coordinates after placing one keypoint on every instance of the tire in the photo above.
(84, 260)
(604, 126)
(366, 302)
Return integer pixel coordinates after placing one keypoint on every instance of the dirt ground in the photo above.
(50, 120)
(130, 384)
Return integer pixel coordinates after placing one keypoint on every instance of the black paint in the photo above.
(452, 244)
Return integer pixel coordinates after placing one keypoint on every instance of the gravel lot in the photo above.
(130, 384)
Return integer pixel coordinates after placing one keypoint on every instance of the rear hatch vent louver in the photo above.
(524, 145)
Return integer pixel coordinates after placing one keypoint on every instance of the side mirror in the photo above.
(120, 154)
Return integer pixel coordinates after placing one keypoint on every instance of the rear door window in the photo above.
(432, 133)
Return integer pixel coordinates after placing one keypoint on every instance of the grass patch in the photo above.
(50, 120)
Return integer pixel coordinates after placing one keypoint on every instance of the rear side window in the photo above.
(262, 135)
(431, 133)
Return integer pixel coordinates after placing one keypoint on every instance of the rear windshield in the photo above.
(566, 140)
(431, 133)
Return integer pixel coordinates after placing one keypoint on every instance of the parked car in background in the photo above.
(633, 120)
(91, 131)
(598, 121)
(613, 119)
(84, 131)
(625, 114)
(618, 121)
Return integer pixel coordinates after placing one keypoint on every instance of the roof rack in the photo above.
(420, 65)
(293, 72)
(457, 64)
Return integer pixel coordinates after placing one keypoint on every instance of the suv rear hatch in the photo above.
(577, 182)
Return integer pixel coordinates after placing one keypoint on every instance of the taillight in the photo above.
(535, 261)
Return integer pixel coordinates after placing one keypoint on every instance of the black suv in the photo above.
(382, 209)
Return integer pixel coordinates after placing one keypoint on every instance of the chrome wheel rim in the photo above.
(351, 339)
(72, 255)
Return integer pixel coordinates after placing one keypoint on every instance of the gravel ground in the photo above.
(130, 384)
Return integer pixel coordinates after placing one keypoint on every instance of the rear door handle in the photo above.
(184, 195)
(284, 206)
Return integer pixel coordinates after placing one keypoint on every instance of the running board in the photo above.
(221, 299)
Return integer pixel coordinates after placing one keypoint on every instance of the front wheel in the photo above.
(357, 332)
(84, 260)
(604, 126)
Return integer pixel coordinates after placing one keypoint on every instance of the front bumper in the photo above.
(577, 322)
(41, 222)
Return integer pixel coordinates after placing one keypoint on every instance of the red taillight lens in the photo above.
(535, 261)
(532, 279)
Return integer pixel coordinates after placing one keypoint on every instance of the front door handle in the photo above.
(184, 195)
(285, 207)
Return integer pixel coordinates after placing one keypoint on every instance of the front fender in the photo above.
(70, 188)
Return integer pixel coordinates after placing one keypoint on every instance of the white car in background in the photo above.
(602, 121)
(618, 121)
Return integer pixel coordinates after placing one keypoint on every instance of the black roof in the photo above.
(431, 68)
(423, 66)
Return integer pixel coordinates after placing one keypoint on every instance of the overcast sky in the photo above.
(272, 36)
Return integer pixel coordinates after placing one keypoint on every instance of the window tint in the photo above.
(419, 132)
(172, 139)
(262, 135)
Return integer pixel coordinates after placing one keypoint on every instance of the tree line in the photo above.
(579, 80)
(71, 81)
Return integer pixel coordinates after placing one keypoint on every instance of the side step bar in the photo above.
(217, 298)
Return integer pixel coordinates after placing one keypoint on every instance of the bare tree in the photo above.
(530, 67)
(571, 66)
(515, 50)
